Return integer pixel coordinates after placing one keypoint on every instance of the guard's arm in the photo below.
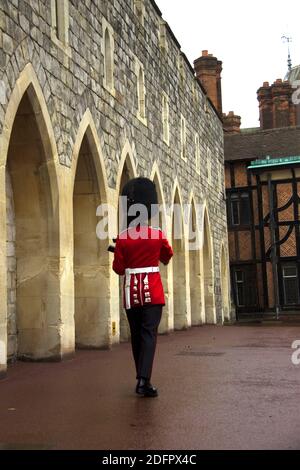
(166, 251)
(118, 262)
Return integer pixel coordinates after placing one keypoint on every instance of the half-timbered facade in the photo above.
(263, 196)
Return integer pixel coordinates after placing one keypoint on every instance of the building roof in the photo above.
(275, 143)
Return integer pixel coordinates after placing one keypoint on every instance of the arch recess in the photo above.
(164, 270)
(180, 274)
(92, 270)
(45, 328)
(208, 271)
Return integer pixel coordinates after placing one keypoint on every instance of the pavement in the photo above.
(230, 387)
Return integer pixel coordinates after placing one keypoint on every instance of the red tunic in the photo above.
(142, 247)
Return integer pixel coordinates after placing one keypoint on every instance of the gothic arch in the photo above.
(195, 274)
(180, 304)
(225, 284)
(42, 330)
(91, 259)
(156, 177)
(165, 270)
(87, 128)
(208, 270)
(108, 58)
(127, 159)
(127, 170)
(28, 82)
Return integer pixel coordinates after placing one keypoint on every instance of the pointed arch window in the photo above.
(107, 60)
(183, 138)
(141, 92)
(208, 164)
(139, 9)
(60, 24)
(165, 119)
(197, 153)
(108, 54)
(163, 42)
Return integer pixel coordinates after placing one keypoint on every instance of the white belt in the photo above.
(128, 273)
(152, 269)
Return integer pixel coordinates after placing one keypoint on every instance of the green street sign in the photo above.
(267, 162)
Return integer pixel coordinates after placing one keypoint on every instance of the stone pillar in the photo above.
(11, 272)
(3, 291)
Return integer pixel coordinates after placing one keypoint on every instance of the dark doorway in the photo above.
(244, 283)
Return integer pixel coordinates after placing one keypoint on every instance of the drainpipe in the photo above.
(273, 254)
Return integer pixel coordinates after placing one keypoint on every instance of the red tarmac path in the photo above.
(231, 387)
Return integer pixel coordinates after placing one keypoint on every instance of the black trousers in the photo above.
(143, 322)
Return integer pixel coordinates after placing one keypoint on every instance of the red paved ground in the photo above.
(220, 388)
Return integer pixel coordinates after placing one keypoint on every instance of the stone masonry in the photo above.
(82, 78)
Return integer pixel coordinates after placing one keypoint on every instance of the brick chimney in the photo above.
(231, 123)
(208, 70)
(276, 108)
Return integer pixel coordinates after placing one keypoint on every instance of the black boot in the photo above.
(145, 388)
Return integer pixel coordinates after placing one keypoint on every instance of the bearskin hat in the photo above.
(141, 191)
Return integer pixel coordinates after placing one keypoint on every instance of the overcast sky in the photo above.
(245, 35)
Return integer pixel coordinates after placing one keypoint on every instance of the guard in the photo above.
(137, 254)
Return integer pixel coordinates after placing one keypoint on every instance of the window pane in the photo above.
(235, 219)
(240, 295)
(291, 291)
(245, 209)
(290, 285)
(239, 276)
(290, 271)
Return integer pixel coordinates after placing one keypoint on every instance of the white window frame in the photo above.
(183, 137)
(165, 118)
(181, 69)
(197, 153)
(60, 25)
(141, 112)
(139, 10)
(163, 41)
(208, 164)
(106, 27)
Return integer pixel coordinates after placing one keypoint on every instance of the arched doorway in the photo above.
(208, 273)
(33, 287)
(179, 266)
(164, 323)
(91, 258)
(128, 172)
(224, 287)
(195, 271)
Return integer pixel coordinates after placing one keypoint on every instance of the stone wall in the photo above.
(68, 85)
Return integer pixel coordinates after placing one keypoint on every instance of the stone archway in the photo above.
(91, 258)
(34, 327)
(195, 268)
(127, 172)
(224, 286)
(164, 270)
(179, 266)
(208, 272)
